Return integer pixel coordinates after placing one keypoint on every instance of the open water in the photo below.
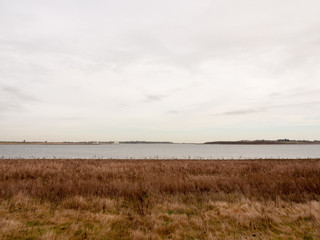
(161, 151)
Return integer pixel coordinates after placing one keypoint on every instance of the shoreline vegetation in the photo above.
(261, 142)
(241, 142)
(159, 199)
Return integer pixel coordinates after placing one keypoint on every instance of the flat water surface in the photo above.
(161, 151)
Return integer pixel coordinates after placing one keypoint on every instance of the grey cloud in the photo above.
(154, 97)
(269, 108)
(70, 118)
(298, 96)
(274, 94)
(307, 104)
(12, 99)
(241, 112)
(9, 106)
(17, 94)
(173, 112)
(183, 50)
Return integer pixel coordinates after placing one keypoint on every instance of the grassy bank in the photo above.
(159, 199)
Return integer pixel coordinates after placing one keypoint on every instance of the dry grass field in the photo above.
(159, 199)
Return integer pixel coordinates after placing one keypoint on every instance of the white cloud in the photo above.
(172, 70)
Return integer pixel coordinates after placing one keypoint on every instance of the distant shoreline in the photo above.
(255, 142)
(265, 142)
(81, 143)
(47, 143)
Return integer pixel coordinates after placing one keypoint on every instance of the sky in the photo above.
(170, 70)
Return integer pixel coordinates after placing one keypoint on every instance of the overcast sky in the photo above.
(182, 71)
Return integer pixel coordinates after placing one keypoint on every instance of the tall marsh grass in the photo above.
(159, 199)
(54, 180)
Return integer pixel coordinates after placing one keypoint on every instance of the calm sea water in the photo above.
(145, 151)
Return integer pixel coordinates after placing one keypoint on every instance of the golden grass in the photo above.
(159, 199)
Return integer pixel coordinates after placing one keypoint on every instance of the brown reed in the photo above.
(56, 179)
(159, 199)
